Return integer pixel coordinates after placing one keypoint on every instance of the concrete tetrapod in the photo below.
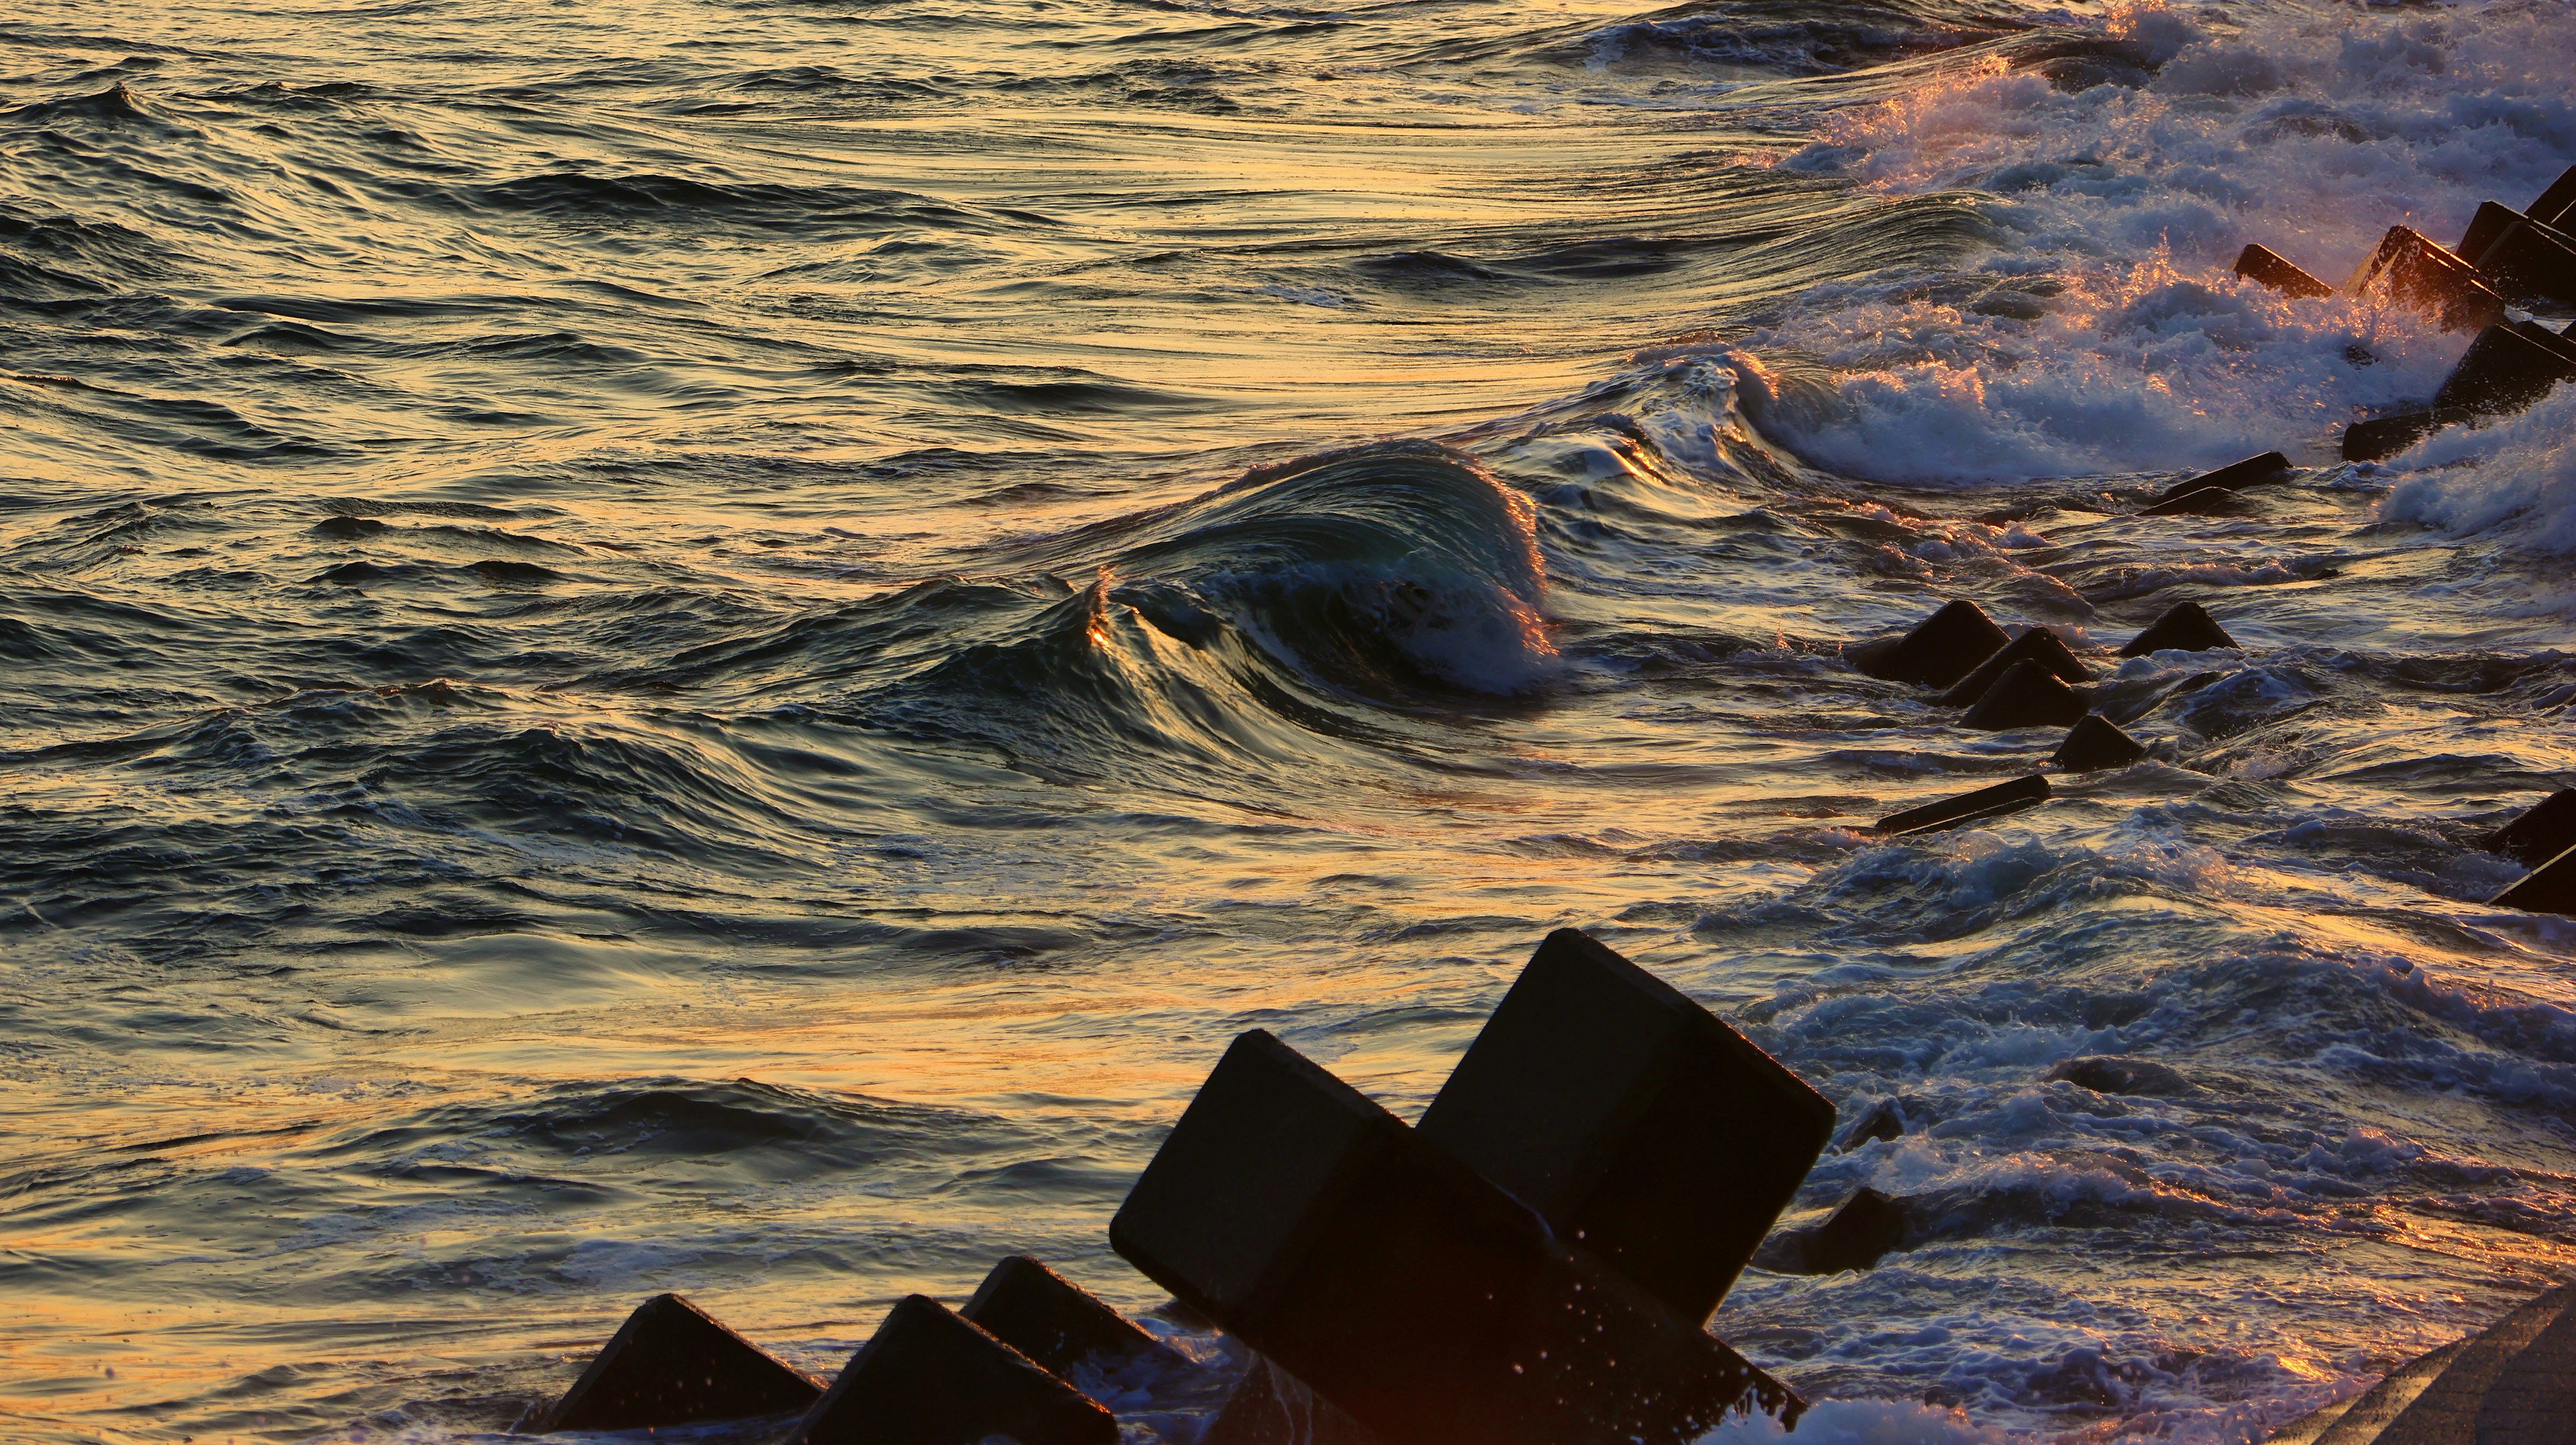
(2265, 267)
(2028, 695)
(2386, 436)
(1398, 1284)
(2540, 834)
(1967, 808)
(929, 1376)
(1858, 1234)
(1940, 650)
(2184, 627)
(1054, 1321)
(672, 1363)
(2096, 743)
(2038, 645)
(2419, 274)
(1633, 1120)
(2234, 477)
(1269, 1406)
(2531, 260)
(2557, 205)
(2549, 888)
(2506, 369)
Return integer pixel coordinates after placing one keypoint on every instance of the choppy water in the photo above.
(715, 647)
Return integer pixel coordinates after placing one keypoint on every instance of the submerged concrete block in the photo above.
(932, 1377)
(2096, 743)
(1856, 1236)
(2539, 835)
(1402, 1286)
(1944, 648)
(1884, 1120)
(671, 1363)
(2184, 627)
(2549, 888)
(2235, 476)
(2113, 1074)
(2418, 274)
(2505, 369)
(2532, 261)
(1968, 808)
(2028, 695)
(1272, 1407)
(1633, 1120)
(1052, 1320)
(2557, 205)
(2386, 436)
(2039, 645)
(2265, 267)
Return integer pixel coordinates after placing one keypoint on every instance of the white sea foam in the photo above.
(2113, 336)
(2514, 478)
(1863, 1422)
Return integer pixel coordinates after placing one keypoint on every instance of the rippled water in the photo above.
(716, 646)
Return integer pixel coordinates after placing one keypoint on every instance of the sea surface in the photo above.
(716, 645)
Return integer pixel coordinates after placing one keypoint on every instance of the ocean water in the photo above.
(715, 645)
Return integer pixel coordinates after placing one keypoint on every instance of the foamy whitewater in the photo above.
(716, 647)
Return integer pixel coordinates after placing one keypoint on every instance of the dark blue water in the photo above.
(715, 647)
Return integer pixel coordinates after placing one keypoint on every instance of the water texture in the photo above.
(716, 646)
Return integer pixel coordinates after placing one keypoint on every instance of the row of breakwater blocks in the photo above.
(1534, 1263)
(2035, 680)
(2506, 256)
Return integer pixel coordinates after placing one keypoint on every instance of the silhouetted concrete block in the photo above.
(1403, 1287)
(2491, 221)
(1857, 1236)
(932, 1377)
(2266, 267)
(671, 1363)
(2505, 369)
(2039, 645)
(2386, 436)
(2549, 888)
(2028, 695)
(2112, 1074)
(2418, 274)
(1272, 1407)
(1968, 808)
(2096, 743)
(2532, 1399)
(2234, 477)
(2557, 205)
(2532, 261)
(2185, 627)
(1052, 1320)
(2440, 1399)
(1633, 1120)
(1947, 646)
(2539, 835)
(1884, 1120)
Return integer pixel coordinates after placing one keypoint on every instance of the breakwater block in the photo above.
(1403, 1287)
(2506, 369)
(2386, 436)
(2028, 695)
(2549, 888)
(2184, 627)
(2113, 1074)
(2096, 743)
(1856, 1236)
(1884, 1120)
(2266, 267)
(930, 1376)
(1272, 1407)
(2039, 645)
(1945, 647)
(2418, 274)
(2557, 205)
(2539, 835)
(1052, 1320)
(1967, 808)
(1633, 1120)
(2490, 223)
(2234, 477)
(2532, 260)
(672, 1363)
